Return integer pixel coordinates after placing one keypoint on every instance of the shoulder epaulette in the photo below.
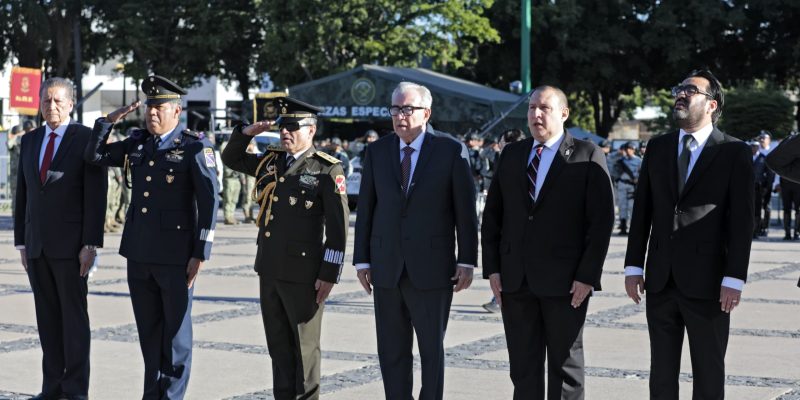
(191, 133)
(275, 147)
(327, 157)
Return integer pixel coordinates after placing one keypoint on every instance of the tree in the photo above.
(239, 36)
(308, 39)
(750, 109)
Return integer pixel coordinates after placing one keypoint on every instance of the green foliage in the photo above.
(309, 39)
(750, 109)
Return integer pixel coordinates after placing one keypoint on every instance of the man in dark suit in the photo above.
(416, 202)
(303, 198)
(693, 218)
(785, 161)
(545, 233)
(169, 228)
(58, 224)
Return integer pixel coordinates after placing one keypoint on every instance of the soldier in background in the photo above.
(125, 199)
(477, 162)
(763, 182)
(247, 190)
(764, 203)
(231, 189)
(114, 194)
(337, 151)
(626, 173)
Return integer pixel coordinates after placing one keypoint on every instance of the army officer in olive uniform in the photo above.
(168, 230)
(301, 193)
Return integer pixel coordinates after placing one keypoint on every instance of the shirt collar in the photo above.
(551, 143)
(701, 135)
(60, 130)
(167, 136)
(416, 144)
(297, 155)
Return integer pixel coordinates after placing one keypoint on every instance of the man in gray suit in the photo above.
(415, 203)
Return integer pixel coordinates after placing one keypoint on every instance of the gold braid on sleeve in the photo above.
(264, 198)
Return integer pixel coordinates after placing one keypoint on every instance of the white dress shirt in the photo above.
(415, 144)
(700, 138)
(549, 152)
(59, 131)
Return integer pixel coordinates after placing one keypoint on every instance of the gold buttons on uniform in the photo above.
(271, 217)
(303, 254)
(282, 179)
(151, 163)
(267, 234)
(274, 198)
(148, 179)
(179, 227)
(144, 210)
(146, 194)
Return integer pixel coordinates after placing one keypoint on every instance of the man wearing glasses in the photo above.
(416, 201)
(693, 219)
(301, 194)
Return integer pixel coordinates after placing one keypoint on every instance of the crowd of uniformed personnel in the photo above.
(163, 188)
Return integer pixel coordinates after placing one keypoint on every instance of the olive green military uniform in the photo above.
(113, 198)
(231, 188)
(247, 201)
(303, 224)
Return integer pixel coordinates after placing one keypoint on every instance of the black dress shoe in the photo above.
(43, 396)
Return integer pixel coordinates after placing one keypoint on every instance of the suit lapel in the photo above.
(36, 151)
(63, 147)
(559, 161)
(521, 165)
(672, 162)
(428, 144)
(394, 159)
(710, 150)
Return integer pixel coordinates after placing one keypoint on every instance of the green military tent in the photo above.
(359, 99)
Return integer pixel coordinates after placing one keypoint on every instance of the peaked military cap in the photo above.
(293, 110)
(161, 90)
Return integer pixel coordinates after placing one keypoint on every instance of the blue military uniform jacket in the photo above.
(174, 201)
(627, 170)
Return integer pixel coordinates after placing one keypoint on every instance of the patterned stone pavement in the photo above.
(230, 354)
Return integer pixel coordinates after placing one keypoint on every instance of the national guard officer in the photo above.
(302, 193)
(168, 231)
(626, 173)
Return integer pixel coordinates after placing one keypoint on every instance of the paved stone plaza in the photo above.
(230, 354)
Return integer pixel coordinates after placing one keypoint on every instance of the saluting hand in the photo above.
(191, 271)
(257, 127)
(120, 113)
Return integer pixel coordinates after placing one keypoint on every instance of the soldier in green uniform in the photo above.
(247, 190)
(231, 188)
(303, 223)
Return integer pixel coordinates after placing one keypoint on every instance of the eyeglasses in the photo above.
(292, 126)
(406, 110)
(689, 90)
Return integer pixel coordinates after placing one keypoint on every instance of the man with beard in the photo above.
(693, 219)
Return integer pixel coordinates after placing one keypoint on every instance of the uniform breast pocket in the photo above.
(176, 220)
(174, 174)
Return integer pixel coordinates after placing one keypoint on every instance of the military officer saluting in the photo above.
(168, 230)
(303, 222)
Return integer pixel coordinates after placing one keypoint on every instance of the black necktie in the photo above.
(289, 162)
(157, 143)
(405, 167)
(683, 161)
(533, 170)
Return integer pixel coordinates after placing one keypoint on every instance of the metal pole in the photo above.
(525, 43)
(124, 89)
(76, 41)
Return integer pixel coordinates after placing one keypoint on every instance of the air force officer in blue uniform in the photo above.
(168, 231)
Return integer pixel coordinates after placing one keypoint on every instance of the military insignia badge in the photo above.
(175, 155)
(292, 200)
(341, 184)
(170, 178)
(211, 159)
(308, 181)
(309, 204)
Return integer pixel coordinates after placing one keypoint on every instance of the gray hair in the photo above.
(57, 82)
(308, 121)
(426, 100)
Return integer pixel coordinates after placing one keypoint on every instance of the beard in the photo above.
(689, 115)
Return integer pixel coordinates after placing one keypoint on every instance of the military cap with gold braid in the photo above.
(293, 110)
(161, 90)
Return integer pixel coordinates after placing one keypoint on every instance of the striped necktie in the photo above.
(533, 169)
